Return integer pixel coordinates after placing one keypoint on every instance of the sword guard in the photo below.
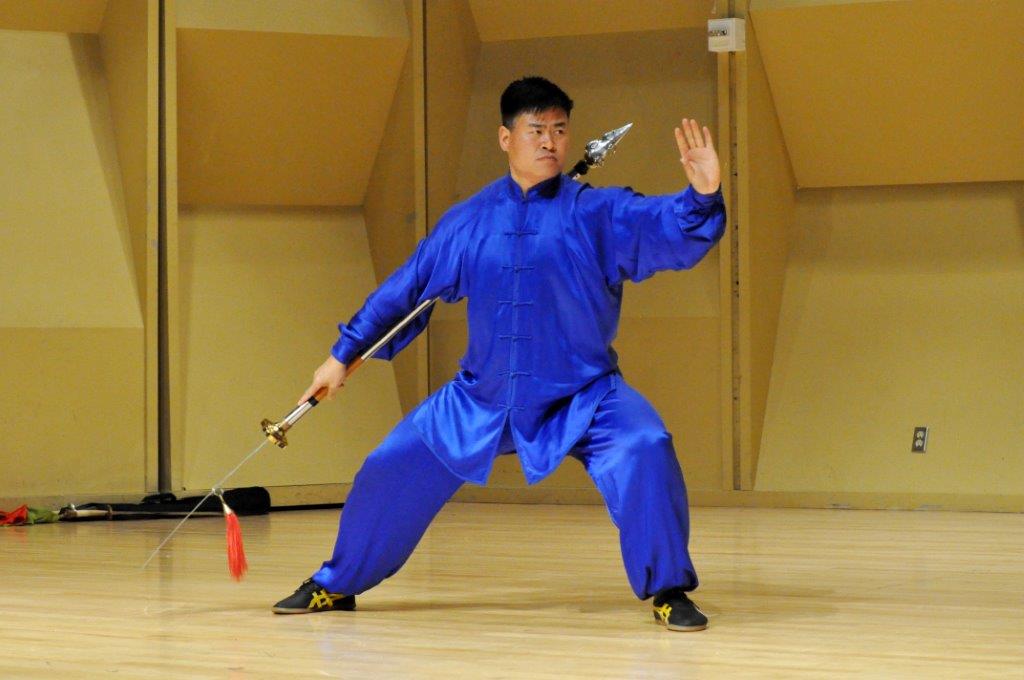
(275, 431)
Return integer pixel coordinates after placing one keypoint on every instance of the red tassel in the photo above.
(236, 554)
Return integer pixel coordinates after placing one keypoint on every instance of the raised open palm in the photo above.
(698, 156)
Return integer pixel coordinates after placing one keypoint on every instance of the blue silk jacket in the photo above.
(543, 274)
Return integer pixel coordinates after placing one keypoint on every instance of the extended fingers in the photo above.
(681, 143)
(692, 132)
(690, 135)
(707, 138)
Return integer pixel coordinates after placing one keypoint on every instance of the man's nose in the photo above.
(547, 140)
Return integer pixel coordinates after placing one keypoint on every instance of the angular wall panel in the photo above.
(67, 250)
(126, 31)
(902, 307)
(280, 111)
(767, 205)
(376, 19)
(262, 291)
(281, 118)
(453, 48)
(72, 343)
(498, 20)
(907, 92)
(64, 16)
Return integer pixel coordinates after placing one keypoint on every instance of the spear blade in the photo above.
(597, 150)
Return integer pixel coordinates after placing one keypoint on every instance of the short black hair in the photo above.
(531, 94)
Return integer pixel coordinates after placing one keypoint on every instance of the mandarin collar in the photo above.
(546, 189)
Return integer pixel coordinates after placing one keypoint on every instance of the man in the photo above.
(542, 260)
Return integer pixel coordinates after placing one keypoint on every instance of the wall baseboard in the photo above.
(315, 494)
(765, 499)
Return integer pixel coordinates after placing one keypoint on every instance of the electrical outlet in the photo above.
(920, 444)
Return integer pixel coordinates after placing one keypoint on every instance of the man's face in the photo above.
(536, 145)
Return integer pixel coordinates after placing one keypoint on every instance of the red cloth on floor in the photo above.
(16, 516)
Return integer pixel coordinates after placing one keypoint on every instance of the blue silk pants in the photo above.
(626, 451)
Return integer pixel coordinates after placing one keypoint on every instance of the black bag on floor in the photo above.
(251, 500)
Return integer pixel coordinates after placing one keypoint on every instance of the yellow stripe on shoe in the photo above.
(322, 599)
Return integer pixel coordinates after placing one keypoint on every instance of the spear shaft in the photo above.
(595, 153)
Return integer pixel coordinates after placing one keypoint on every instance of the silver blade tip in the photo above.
(618, 132)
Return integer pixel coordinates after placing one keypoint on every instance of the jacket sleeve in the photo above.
(636, 236)
(433, 270)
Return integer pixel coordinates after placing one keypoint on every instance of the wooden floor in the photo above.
(500, 591)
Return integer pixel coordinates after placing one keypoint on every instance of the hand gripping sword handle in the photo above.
(275, 432)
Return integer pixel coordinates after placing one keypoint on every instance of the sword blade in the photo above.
(215, 489)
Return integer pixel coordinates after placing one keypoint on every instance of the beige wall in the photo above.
(902, 307)
(498, 20)
(295, 155)
(379, 18)
(870, 93)
(61, 169)
(453, 47)
(767, 201)
(72, 400)
(391, 206)
(76, 157)
(861, 311)
(261, 291)
(132, 97)
(254, 129)
(79, 16)
(865, 312)
(129, 42)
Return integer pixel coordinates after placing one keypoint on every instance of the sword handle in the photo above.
(275, 432)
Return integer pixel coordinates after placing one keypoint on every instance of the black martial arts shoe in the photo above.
(674, 610)
(312, 597)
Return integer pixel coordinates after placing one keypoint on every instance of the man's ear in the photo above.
(503, 136)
